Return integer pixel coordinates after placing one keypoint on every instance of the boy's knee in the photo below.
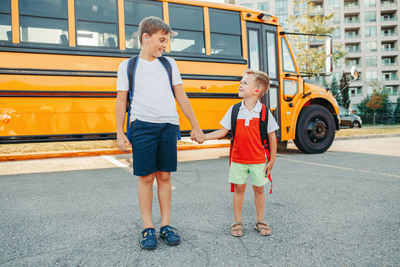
(258, 189)
(163, 177)
(240, 188)
(148, 179)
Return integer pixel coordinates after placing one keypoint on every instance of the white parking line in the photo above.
(115, 162)
(341, 168)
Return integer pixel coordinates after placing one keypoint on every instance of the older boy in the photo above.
(154, 126)
(248, 154)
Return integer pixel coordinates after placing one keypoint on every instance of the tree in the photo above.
(335, 89)
(397, 111)
(310, 51)
(377, 104)
(344, 91)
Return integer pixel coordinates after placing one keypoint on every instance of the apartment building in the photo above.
(367, 29)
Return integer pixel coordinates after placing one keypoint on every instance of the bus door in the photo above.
(263, 55)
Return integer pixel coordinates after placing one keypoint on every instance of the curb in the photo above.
(88, 153)
(100, 152)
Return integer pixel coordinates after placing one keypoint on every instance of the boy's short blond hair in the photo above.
(262, 80)
(152, 25)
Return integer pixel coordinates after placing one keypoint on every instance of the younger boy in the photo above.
(248, 154)
(154, 126)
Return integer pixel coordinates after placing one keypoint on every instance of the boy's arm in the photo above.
(120, 111)
(273, 147)
(218, 134)
(183, 101)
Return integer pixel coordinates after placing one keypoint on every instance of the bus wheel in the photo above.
(315, 130)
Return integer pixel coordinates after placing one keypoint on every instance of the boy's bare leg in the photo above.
(164, 196)
(238, 197)
(145, 195)
(259, 200)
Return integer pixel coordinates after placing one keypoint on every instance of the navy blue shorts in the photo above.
(153, 147)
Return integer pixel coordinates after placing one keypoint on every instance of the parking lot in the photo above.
(337, 208)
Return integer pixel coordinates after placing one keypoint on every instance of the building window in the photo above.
(370, 16)
(370, 46)
(336, 18)
(263, 6)
(371, 76)
(44, 21)
(370, 3)
(389, 76)
(371, 61)
(370, 31)
(281, 11)
(388, 61)
(391, 89)
(333, 4)
(353, 48)
(96, 23)
(135, 11)
(336, 33)
(355, 91)
(225, 32)
(249, 5)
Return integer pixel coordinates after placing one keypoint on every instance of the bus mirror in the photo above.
(354, 73)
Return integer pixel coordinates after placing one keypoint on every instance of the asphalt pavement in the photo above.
(339, 208)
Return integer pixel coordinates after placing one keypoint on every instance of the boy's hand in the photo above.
(123, 142)
(268, 169)
(197, 135)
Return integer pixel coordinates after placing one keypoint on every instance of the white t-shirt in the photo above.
(153, 99)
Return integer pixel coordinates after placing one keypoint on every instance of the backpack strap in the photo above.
(167, 66)
(131, 69)
(234, 115)
(264, 136)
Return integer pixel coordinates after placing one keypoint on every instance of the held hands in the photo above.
(123, 142)
(197, 135)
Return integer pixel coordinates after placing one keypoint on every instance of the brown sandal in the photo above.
(262, 228)
(237, 229)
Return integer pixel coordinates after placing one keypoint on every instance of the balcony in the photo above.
(389, 49)
(388, 33)
(390, 78)
(388, 4)
(351, 20)
(383, 19)
(352, 35)
(353, 4)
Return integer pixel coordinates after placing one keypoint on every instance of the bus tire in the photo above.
(315, 130)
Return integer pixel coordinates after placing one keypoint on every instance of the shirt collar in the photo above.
(257, 107)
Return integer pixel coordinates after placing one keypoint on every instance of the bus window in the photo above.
(273, 97)
(188, 22)
(96, 23)
(288, 64)
(44, 21)
(271, 52)
(225, 33)
(135, 11)
(5, 21)
(254, 50)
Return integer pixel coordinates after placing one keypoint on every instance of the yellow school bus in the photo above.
(59, 61)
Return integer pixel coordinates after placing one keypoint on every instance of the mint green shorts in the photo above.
(239, 172)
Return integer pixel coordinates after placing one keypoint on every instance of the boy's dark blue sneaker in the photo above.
(148, 239)
(170, 235)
